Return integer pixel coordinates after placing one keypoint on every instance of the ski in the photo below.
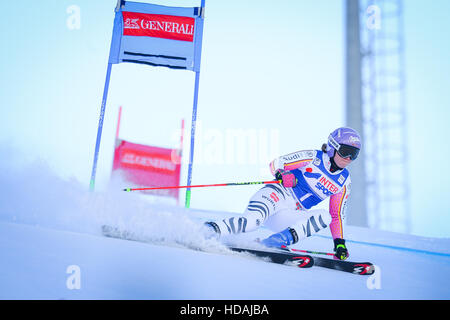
(362, 268)
(299, 260)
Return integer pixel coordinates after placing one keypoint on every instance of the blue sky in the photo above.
(272, 72)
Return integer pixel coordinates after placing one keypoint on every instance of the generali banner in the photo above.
(148, 166)
(158, 26)
(157, 35)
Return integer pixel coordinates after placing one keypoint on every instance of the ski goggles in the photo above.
(346, 151)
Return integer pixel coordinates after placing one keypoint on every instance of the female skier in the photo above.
(307, 178)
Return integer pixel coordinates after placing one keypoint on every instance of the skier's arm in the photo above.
(292, 161)
(337, 211)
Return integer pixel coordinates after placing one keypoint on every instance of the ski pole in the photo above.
(206, 185)
(308, 251)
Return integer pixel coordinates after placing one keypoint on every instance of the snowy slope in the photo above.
(34, 262)
(48, 224)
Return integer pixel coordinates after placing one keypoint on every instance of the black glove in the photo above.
(340, 250)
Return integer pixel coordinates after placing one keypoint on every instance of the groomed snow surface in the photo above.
(51, 247)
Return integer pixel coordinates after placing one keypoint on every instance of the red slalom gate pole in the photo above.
(206, 185)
